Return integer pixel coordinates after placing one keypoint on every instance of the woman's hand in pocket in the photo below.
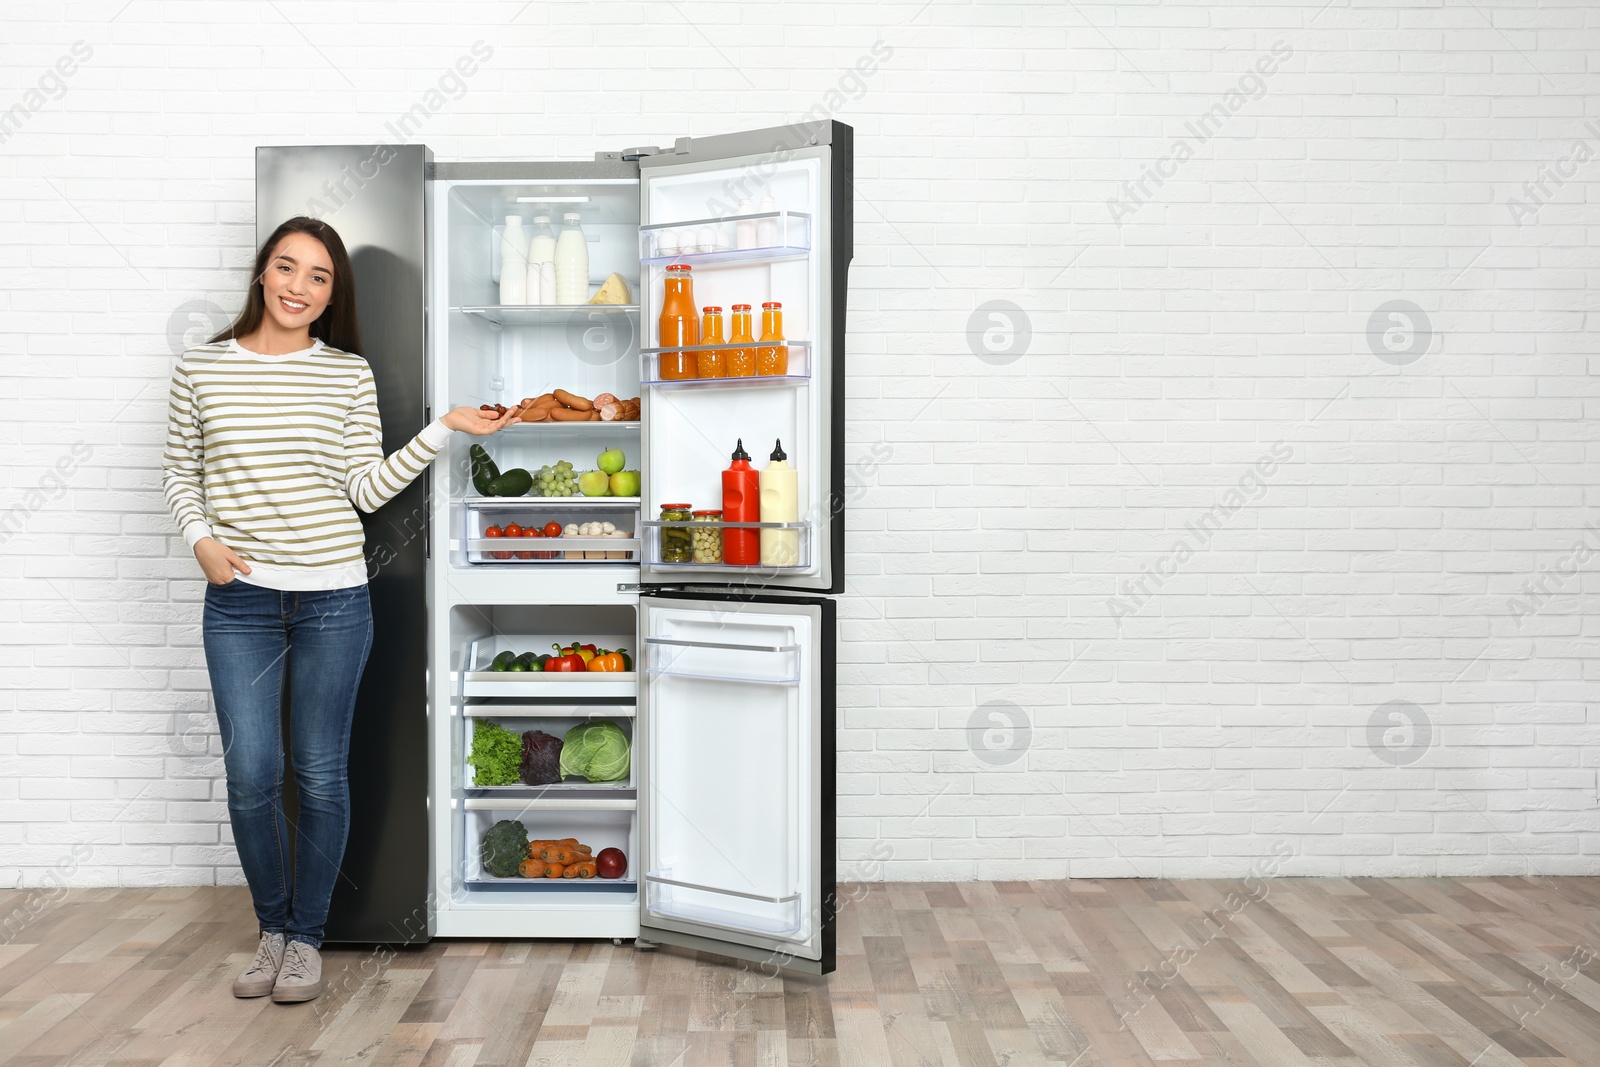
(218, 561)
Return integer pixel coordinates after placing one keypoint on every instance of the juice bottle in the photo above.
(780, 502)
(741, 361)
(679, 324)
(712, 364)
(741, 502)
(772, 360)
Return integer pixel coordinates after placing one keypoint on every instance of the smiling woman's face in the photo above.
(298, 282)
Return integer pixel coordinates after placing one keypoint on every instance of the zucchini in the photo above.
(483, 469)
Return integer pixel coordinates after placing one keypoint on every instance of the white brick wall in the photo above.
(1010, 504)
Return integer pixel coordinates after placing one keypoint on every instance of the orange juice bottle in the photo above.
(679, 324)
(741, 361)
(713, 364)
(772, 360)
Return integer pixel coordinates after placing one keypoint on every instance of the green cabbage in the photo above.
(596, 750)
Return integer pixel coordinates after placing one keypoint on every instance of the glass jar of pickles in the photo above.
(707, 540)
(676, 543)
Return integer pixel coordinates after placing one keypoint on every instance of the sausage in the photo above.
(569, 415)
(572, 400)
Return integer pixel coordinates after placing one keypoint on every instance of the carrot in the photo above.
(530, 869)
(563, 854)
(583, 869)
(549, 870)
(574, 401)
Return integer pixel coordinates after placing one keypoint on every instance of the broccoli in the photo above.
(496, 754)
(504, 847)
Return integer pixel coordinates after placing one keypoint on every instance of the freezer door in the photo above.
(796, 252)
(374, 198)
(734, 749)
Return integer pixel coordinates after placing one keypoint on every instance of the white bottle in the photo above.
(572, 262)
(767, 229)
(744, 233)
(541, 250)
(547, 282)
(780, 502)
(513, 262)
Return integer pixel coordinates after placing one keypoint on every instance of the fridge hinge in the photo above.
(633, 587)
(628, 154)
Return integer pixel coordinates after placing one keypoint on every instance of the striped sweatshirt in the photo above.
(267, 454)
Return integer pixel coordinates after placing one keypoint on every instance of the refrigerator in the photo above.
(726, 812)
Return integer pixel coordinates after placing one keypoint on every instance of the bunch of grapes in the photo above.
(560, 480)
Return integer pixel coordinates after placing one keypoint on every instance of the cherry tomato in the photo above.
(495, 531)
(526, 533)
(513, 530)
(552, 529)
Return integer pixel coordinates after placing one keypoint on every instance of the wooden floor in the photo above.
(1454, 972)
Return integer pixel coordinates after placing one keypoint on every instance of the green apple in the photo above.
(593, 483)
(611, 460)
(625, 483)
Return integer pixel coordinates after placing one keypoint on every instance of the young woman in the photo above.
(273, 441)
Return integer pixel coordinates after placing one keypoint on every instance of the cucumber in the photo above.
(514, 482)
(483, 469)
(502, 661)
(526, 661)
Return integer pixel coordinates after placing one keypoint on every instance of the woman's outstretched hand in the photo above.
(476, 421)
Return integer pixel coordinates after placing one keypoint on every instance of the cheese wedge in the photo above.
(613, 291)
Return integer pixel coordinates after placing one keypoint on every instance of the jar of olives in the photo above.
(676, 544)
(707, 540)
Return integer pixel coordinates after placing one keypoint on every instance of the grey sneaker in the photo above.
(300, 977)
(257, 979)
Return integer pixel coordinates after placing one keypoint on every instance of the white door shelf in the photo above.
(798, 370)
(701, 242)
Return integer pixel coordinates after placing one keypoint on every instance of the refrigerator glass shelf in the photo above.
(668, 672)
(551, 885)
(560, 791)
(542, 314)
(571, 427)
(522, 805)
(481, 502)
(548, 711)
(706, 241)
(533, 684)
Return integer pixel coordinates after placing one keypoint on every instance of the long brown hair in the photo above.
(336, 326)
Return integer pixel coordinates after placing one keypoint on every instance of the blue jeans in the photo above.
(249, 631)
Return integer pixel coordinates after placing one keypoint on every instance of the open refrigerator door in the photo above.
(759, 224)
(735, 754)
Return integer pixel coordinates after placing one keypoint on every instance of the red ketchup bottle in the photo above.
(741, 502)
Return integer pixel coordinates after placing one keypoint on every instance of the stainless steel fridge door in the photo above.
(689, 199)
(374, 197)
(734, 753)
